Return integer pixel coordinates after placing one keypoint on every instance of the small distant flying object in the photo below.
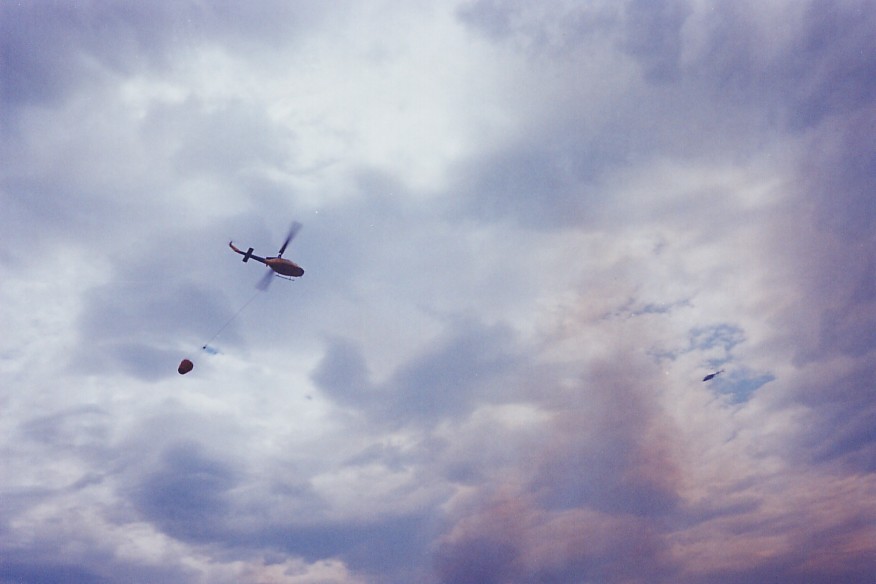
(279, 265)
(185, 366)
(713, 375)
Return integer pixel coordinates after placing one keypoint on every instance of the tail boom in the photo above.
(247, 255)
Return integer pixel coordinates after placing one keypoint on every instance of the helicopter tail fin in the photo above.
(247, 255)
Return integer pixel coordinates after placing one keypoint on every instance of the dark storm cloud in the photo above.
(823, 67)
(553, 173)
(837, 173)
(539, 186)
(26, 570)
(840, 425)
(653, 36)
(41, 564)
(138, 327)
(835, 266)
(447, 380)
(85, 432)
(833, 53)
(681, 107)
(848, 326)
(46, 46)
(819, 64)
(343, 373)
(619, 461)
(191, 497)
(785, 568)
(79, 428)
(834, 261)
(187, 496)
(201, 139)
(511, 541)
(192, 478)
(49, 48)
(69, 212)
(387, 549)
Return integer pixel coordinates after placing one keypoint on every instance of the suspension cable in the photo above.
(228, 322)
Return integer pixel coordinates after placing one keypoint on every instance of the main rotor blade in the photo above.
(266, 280)
(293, 231)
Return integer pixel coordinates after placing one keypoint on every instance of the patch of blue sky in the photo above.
(739, 387)
(725, 336)
(708, 338)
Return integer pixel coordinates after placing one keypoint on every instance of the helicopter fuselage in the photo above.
(285, 267)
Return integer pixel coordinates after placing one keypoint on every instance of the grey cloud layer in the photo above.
(496, 379)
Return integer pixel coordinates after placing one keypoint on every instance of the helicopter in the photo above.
(713, 375)
(279, 265)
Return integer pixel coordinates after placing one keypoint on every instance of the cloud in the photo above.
(451, 378)
(654, 36)
(529, 233)
(510, 541)
(187, 496)
(52, 48)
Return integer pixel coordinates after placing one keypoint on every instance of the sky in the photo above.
(529, 231)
